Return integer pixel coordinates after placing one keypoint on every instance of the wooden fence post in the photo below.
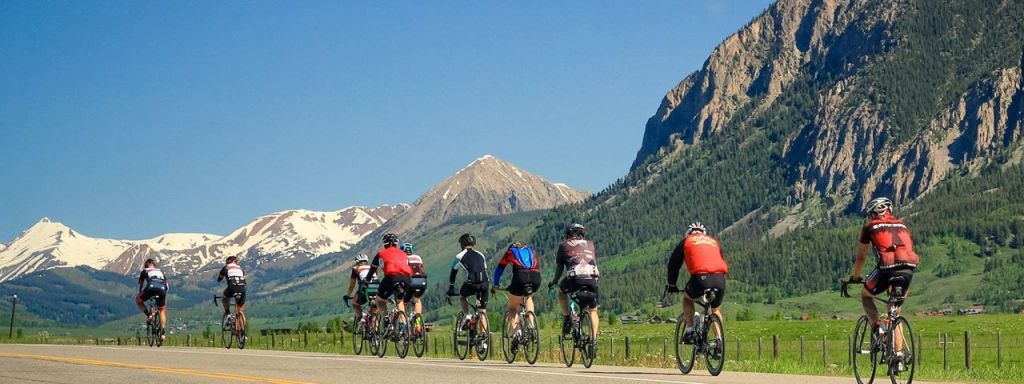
(775, 347)
(801, 349)
(305, 339)
(999, 349)
(967, 350)
(664, 349)
(945, 352)
(759, 347)
(272, 343)
(737, 349)
(824, 350)
(611, 348)
(627, 347)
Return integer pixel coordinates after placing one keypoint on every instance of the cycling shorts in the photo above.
(236, 291)
(571, 285)
(698, 283)
(148, 293)
(523, 280)
(878, 280)
(390, 286)
(480, 290)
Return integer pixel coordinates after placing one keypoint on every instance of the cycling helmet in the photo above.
(390, 239)
(230, 259)
(362, 258)
(407, 247)
(696, 227)
(515, 245)
(149, 262)
(879, 205)
(575, 230)
(467, 240)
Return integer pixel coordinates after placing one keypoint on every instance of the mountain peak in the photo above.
(44, 220)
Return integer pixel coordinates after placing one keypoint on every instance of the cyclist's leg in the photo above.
(564, 286)
(240, 308)
(595, 317)
(464, 292)
(717, 281)
(225, 300)
(909, 275)
(512, 310)
(691, 291)
(482, 293)
(873, 285)
(161, 304)
(141, 302)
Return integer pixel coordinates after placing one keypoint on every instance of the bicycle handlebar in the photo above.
(216, 297)
(844, 291)
(347, 299)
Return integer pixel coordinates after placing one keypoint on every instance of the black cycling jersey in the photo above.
(475, 265)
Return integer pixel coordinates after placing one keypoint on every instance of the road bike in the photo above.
(393, 326)
(472, 332)
(581, 333)
(154, 328)
(708, 337)
(877, 345)
(231, 327)
(524, 335)
(418, 333)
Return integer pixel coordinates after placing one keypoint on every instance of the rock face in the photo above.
(487, 186)
(853, 141)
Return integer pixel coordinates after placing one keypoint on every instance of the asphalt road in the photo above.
(90, 364)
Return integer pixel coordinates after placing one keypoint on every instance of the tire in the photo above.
(460, 337)
(685, 353)
(419, 338)
(905, 375)
(864, 354)
(402, 334)
(226, 336)
(532, 345)
(358, 337)
(508, 350)
(158, 330)
(241, 333)
(150, 332)
(382, 341)
(568, 348)
(714, 351)
(588, 341)
(483, 338)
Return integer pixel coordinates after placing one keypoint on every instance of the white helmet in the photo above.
(696, 227)
(879, 205)
(362, 258)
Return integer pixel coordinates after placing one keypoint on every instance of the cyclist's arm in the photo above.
(373, 266)
(500, 269)
(862, 253)
(142, 280)
(454, 272)
(351, 283)
(675, 263)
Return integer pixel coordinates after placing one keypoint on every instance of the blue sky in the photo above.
(128, 120)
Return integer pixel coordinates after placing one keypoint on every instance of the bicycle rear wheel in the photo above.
(902, 364)
(358, 337)
(685, 352)
(864, 352)
(483, 338)
(372, 339)
(588, 340)
(402, 335)
(508, 347)
(531, 345)
(714, 350)
(460, 336)
(226, 328)
(419, 336)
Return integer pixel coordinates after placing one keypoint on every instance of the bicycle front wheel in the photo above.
(358, 337)
(714, 351)
(902, 363)
(568, 348)
(241, 332)
(588, 340)
(382, 334)
(371, 336)
(460, 336)
(150, 334)
(508, 347)
(419, 336)
(864, 352)
(685, 352)
(226, 338)
(402, 334)
(483, 338)
(531, 344)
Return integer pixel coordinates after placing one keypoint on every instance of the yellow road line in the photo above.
(154, 368)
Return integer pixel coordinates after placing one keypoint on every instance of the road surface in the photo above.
(97, 364)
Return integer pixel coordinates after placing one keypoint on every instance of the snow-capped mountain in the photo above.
(285, 237)
(47, 244)
(487, 186)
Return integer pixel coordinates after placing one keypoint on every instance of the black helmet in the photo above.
(148, 263)
(230, 259)
(575, 230)
(390, 239)
(467, 240)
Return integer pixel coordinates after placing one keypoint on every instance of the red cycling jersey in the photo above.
(891, 240)
(395, 261)
(703, 255)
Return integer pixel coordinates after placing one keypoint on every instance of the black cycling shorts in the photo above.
(570, 285)
(231, 290)
(417, 285)
(878, 280)
(522, 280)
(698, 283)
(480, 290)
(389, 286)
(148, 293)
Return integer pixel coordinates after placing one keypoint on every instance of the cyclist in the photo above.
(236, 285)
(894, 250)
(360, 271)
(525, 278)
(577, 258)
(396, 271)
(418, 283)
(152, 282)
(475, 265)
(707, 269)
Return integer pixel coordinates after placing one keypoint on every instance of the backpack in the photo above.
(525, 257)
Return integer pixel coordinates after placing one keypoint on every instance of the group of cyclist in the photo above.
(576, 258)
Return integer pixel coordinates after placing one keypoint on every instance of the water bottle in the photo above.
(697, 320)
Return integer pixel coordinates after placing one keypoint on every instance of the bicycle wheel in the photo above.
(567, 345)
(419, 336)
(714, 350)
(685, 352)
(226, 337)
(358, 337)
(508, 349)
(241, 332)
(864, 353)
(588, 340)
(382, 334)
(372, 339)
(531, 344)
(402, 335)
(158, 331)
(483, 338)
(901, 364)
(150, 339)
(460, 337)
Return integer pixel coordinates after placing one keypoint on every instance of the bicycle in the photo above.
(581, 335)
(708, 337)
(525, 335)
(393, 326)
(418, 334)
(878, 344)
(154, 328)
(362, 334)
(231, 324)
(471, 333)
